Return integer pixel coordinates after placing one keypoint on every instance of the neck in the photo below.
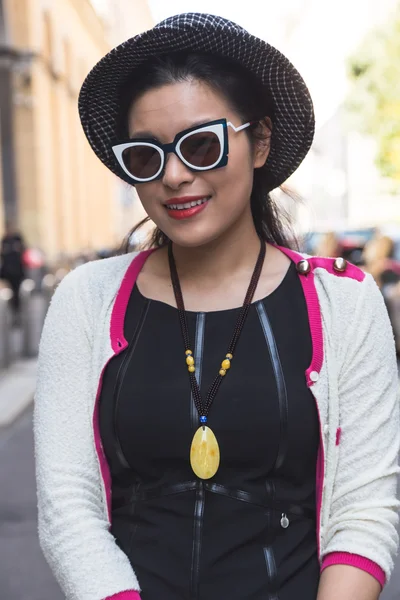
(228, 255)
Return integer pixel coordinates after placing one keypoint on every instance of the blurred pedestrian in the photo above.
(12, 268)
(376, 257)
(216, 416)
(329, 245)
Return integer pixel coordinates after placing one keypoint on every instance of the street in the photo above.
(24, 574)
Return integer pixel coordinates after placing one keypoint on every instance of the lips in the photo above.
(192, 204)
(184, 208)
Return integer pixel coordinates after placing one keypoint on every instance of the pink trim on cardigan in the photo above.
(128, 595)
(101, 457)
(118, 344)
(315, 321)
(338, 435)
(352, 272)
(118, 340)
(354, 560)
(314, 314)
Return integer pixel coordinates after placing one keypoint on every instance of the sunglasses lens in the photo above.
(143, 162)
(201, 149)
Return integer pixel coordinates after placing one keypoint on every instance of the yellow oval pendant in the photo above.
(204, 453)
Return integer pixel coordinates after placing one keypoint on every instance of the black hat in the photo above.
(293, 125)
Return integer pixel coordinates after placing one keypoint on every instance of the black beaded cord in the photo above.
(203, 409)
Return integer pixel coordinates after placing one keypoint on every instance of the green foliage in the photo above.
(374, 99)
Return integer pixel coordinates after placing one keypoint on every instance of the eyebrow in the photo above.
(149, 134)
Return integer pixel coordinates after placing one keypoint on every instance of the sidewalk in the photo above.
(17, 387)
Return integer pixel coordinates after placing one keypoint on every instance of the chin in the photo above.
(193, 237)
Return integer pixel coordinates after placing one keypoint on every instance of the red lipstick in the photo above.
(193, 206)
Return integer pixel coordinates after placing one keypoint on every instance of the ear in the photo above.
(262, 142)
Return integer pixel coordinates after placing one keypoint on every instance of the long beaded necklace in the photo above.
(204, 451)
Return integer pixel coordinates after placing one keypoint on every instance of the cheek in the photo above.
(147, 193)
(239, 172)
(240, 158)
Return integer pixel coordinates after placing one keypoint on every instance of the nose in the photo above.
(176, 173)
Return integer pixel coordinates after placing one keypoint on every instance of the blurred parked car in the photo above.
(353, 242)
(350, 242)
(377, 251)
(390, 281)
(392, 298)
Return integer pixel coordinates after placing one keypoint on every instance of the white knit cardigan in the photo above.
(353, 378)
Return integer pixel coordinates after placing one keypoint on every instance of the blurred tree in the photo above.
(374, 99)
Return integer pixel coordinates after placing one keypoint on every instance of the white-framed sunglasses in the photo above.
(200, 148)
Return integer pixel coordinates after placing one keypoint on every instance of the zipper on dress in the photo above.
(132, 511)
(269, 556)
(198, 357)
(272, 573)
(197, 540)
(120, 379)
(280, 384)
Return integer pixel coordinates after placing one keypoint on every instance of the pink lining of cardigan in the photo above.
(118, 344)
(354, 560)
(338, 435)
(128, 595)
(118, 341)
(104, 467)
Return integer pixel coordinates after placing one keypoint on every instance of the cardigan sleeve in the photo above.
(364, 511)
(73, 525)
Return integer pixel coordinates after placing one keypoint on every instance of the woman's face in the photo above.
(168, 110)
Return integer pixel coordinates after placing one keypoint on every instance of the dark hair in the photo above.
(247, 97)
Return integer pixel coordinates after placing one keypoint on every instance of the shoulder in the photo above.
(337, 283)
(84, 292)
(341, 281)
(351, 304)
(330, 274)
(99, 274)
(345, 292)
(345, 288)
(93, 283)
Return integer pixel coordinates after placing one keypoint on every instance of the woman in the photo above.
(216, 417)
(12, 267)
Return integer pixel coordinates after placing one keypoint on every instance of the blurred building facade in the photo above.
(124, 19)
(65, 200)
(339, 179)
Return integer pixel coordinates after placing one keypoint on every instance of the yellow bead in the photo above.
(222, 372)
(190, 360)
(188, 352)
(191, 369)
(229, 356)
(226, 364)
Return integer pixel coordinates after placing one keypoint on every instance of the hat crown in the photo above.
(293, 115)
(199, 20)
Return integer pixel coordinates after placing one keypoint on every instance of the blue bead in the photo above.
(203, 419)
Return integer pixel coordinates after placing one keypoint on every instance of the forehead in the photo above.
(166, 110)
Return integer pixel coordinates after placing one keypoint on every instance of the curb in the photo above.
(17, 388)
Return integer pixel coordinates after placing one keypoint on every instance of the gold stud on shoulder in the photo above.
(303, 267)
(340, 265)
